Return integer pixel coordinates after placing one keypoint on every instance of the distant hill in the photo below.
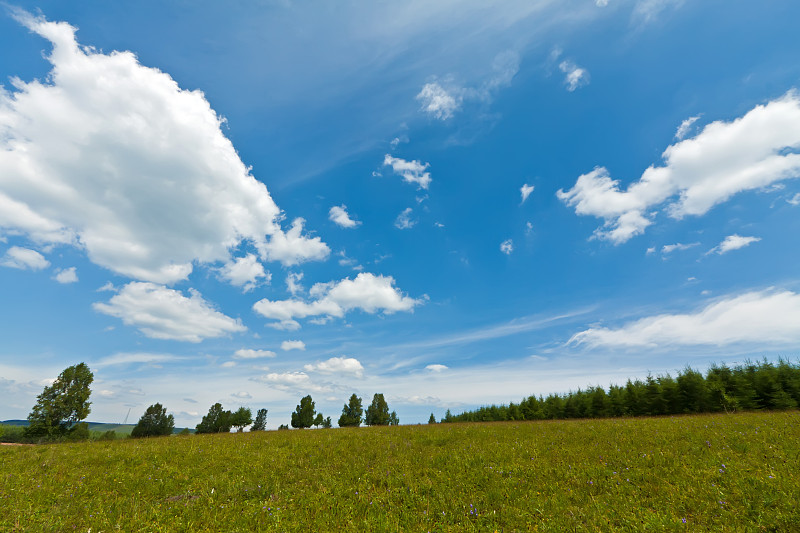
(120, 429)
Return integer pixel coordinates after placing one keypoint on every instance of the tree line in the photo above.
(62, 406)
(749, 386)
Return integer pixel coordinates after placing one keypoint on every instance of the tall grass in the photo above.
(721, 472)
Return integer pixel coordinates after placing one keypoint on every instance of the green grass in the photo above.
(717, 472)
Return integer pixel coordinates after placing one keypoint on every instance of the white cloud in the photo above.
(367, 292)
(404, 221)
(293, 345)
(411, 171)
(669, 248)
(338, 214)
(437, 101)
(761, 317)
(128, 358)
(245, 272)
(163, 313)
(66, 275)
(525, 191)
(293, 282)
(436, 368)
(246, 353)
(726, 158)
(574, 76)
(242, 395)
(285, 325)
(337, 365)
(685, 126)
(106, 153)
(601, 3)
(507, 246)
(228, 364)
(23, 258)
(794, 200)
(733, 242)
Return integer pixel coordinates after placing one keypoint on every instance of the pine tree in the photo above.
(377, 412)
(351, 413)
(261, 421)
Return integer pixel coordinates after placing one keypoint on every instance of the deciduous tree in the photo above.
(241, 418)
(154, 422)
(216, 421)
(61, 404)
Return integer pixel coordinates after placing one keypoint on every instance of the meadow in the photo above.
(721, 472)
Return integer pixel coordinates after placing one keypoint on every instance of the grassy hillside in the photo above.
(732, 472)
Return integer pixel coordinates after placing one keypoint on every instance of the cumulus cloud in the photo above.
(338, 214)
(337, 365)
(404, 220)
(726, 158)
(24, 258)
(66, 275)
(733, 242)
(436, 368)
(685, 127)
(299, 381)
(574, 76)
(163, 313)
(242, 395)
(246, 353)
(367, 292)
(507, 246)
(107, 153)
(410, 171)
(437, 101)
(525, 191)
(245, 272)
(293, 345)
(759, 317)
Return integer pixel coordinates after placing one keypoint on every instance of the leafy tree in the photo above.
(283, 427)
(351, 413)
(326, 423)
(261, 421)
(241, 418)
(216, 421)
(318, 420)
(303, 416)
(154, 422)
(377, 412)
(62, 404)
(185, 432)
(432, 419)
(393, 420)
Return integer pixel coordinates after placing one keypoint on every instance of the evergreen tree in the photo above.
(432, 419)
(393, 419)
(62, 404)
(327, 423)
(154, 422)
(352, 413)
(303, 416)
(260, 423)
(377, 412)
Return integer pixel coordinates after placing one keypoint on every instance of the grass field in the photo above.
(736, 472)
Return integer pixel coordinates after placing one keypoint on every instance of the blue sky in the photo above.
(452, 204)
